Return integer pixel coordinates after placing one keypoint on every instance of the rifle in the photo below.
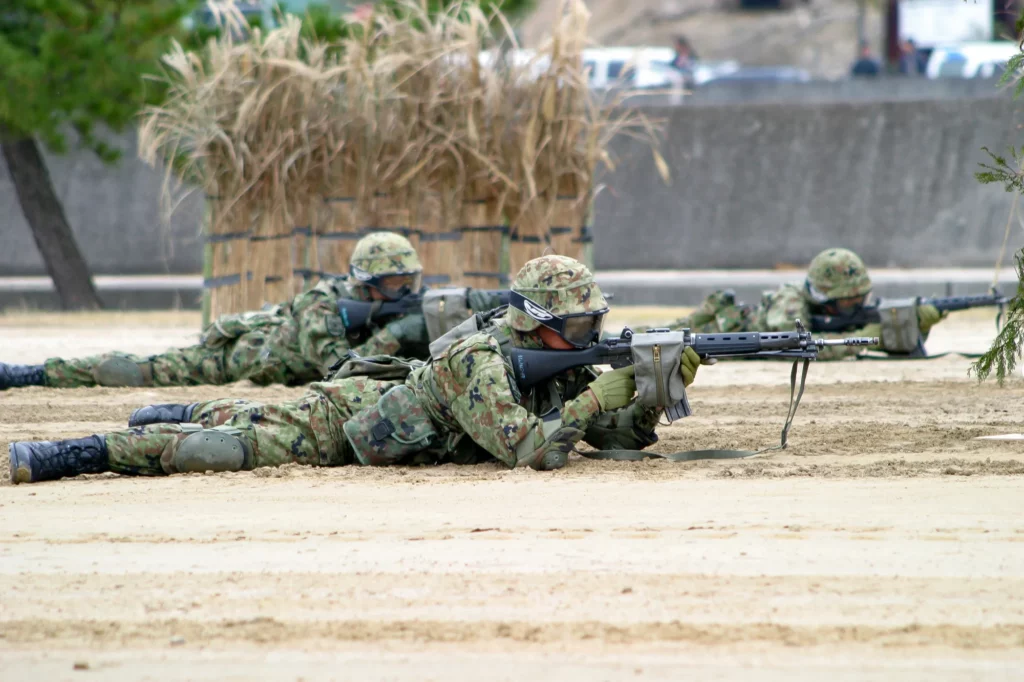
(656, 354)
(883, 308)
(356, 315)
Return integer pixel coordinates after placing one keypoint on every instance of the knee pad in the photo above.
(118, 371)
(221, 448)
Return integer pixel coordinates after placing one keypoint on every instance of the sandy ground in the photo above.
(885, 543)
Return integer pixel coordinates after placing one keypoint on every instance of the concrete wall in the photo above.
(882, 89)
(756, 185)
(115, 213)
(885, 168)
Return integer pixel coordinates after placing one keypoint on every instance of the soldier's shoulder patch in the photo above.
(335, 327)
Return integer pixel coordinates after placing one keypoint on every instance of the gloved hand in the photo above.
(481, 300)
(688, 365)
(927, 317)
(409, 329)
(614, 389)
(872, 330)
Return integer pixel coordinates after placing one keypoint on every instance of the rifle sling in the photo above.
(963, 354)
(693, 455)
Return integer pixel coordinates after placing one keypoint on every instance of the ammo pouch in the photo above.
(229, 327)
(394, 429)
(659, 380)
(379, 367)
(463, 330)
(901, 332)
(445, 309)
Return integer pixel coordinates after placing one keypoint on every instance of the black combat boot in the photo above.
(48, 460)
(162, 414)
(16, 376)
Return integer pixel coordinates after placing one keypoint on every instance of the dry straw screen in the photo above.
(434, 125)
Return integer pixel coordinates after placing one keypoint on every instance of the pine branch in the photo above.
(1005, 352)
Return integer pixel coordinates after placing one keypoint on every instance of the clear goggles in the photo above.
(393, 287)
(579, 329)
(849, 304)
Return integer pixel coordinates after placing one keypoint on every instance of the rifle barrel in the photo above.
(852, 341)
(953, 303)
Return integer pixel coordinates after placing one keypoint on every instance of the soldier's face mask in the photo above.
(391, 287)
(579, 329)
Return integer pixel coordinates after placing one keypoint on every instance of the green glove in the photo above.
(409, 329)
(614, 389)
(481, 300)
(927, 317)
(688, 365)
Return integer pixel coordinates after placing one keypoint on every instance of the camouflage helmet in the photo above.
(388, 262)
(835, 274)
(560, 293)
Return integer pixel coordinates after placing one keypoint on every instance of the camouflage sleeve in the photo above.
(787, 306)
(631, 428)
(682, 323)
(383, 342)
(491, 415)
(322, 338)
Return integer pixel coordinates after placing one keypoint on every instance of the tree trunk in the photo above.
(45, 215)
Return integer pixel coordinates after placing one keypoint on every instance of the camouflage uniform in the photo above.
(293, 343)
(833, 274)
(462, 407)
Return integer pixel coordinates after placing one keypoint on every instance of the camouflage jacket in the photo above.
(322, 338)
(468, 391)
(777, 311)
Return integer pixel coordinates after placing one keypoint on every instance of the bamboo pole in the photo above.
(567, 217)
(227, 273)
(306, 263)
(440, 246)
(341, 230)
(530, 236)
(270, 258)
(484, 243)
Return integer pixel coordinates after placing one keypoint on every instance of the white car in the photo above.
(970, 60)
(629, 68)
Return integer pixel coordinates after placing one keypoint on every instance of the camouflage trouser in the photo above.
(719, 312)
(265, 356)
(305, 431)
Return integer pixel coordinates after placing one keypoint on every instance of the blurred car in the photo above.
(970, 60)
(646, 68)
(631, 68)
(610, 68)
(762, 74)
(255, 13)
(642, 69)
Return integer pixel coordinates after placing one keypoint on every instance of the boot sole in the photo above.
(21, 470)
(135, 419)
